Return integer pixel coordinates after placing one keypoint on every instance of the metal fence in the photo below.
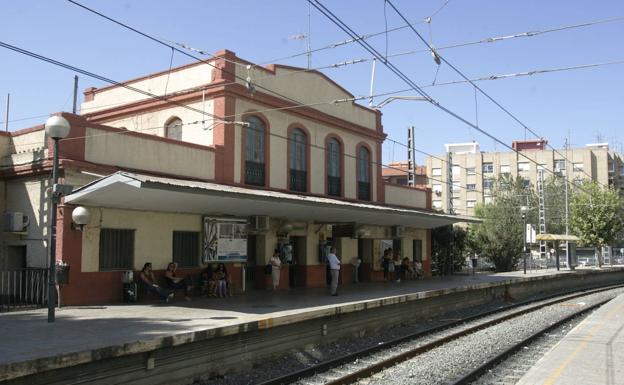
(23, 288)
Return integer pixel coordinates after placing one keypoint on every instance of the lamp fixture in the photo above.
(80, 218)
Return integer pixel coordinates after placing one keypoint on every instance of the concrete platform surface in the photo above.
(82, 334)
(591, 354)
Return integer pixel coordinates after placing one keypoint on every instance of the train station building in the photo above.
(229, 162)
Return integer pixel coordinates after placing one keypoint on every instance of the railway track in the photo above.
(364, 364)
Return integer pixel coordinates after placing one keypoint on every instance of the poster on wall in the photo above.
(225, 240)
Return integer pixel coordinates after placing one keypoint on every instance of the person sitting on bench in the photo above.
(222, 280)
(174, 282)
(148, 282)
(210, 285)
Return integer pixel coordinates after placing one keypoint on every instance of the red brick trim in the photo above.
(308, 148)
(237, 90)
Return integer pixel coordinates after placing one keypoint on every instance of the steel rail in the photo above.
(499, 358)
(379, 366)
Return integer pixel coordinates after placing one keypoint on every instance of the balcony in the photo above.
(333, 186)
(363, 192)
(254, 173)
(298, 180)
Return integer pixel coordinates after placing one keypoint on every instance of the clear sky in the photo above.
(585, 104)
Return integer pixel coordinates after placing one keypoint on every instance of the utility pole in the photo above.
(565, 181)
(6, 117)
(449, 206)
(74, 109)
(411, 162)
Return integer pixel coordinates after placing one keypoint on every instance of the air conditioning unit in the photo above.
(397, 231)
(259, 223)
(14, 222)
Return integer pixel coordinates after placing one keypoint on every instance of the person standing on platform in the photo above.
(356, 261)
(334, 270)
(276, 266)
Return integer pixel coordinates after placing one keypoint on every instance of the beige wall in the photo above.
(153, 236)
(279, 122)
(175, 81)
(154, 155)
(311, 88)
(405, 197)
(24, 148)
(153, 122)
(28, 196)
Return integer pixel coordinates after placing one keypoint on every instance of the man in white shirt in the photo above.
(334, 270)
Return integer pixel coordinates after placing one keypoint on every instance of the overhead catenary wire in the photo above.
(386, 93)
(197, 111)
(336, 20)
(138, 90)
(493, 39)
(460, 73)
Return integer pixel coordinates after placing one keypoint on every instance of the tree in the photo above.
(500, 237)
(555, 204)
(448, 248)
(596, 216)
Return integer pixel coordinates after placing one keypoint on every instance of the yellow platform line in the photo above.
(555, 374)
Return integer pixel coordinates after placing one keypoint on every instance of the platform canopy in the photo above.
(124, 190)
(557, 237)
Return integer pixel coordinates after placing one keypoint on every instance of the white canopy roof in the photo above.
(125, 190)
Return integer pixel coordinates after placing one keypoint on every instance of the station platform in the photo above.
(592, 353)
(84, 334)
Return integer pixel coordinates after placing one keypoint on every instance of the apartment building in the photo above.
(472, 172)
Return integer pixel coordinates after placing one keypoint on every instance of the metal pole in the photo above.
(372, 84)
(524, 248)
(6, 118)
(75, 94)
(52, 236)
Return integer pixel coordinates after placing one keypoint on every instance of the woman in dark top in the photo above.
(148, 282)
(222, 280)
(174, 282)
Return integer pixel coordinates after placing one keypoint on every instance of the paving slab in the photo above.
(84, 333)
(591, 353)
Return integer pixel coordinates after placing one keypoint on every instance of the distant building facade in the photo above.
(397, 173)
(472, 172)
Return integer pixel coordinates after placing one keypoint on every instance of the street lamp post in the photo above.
(57, 128)
(523, 211)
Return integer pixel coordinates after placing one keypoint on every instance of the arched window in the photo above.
(254, 151)
(297, 160)
(333, 168)
(363, 174)
(173, 128)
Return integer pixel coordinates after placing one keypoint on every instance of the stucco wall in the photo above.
(279, 122)
(160, 156)
(407, 197)
(153, 122)
(175, 81)
(318, 91)
(153, 235)
(28, 196)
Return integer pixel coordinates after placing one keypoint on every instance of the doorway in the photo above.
(298, 244)
(417, 250)
(365, 252)
(250, 270)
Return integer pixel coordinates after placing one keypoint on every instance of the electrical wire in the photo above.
(498, 104)
(336, 20)
(457, 45)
